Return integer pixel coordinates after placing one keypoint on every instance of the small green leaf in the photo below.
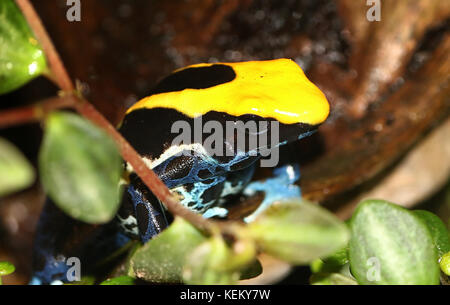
(242, 254)
(21, 58)
(331, 279)
(437, 229)
(6, 268)
(121, 280)
(80, 168)
(161, 260)
(16, 173)
(208, 264)
(298, 232)
(214, 262)
(445, 263)
(332, 263)
(391, 245)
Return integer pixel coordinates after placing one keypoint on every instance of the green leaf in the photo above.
(445, 263)
(80, 168)
(332, 263)
(214, 262)
(16, 173)
(121, 280)
(161, 260)
(391, 245)
(437, 229)
(6, 268)
(298, 232)
(208, 264)
(331, 279)
(21, 58)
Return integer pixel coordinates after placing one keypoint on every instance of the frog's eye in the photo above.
(202, 77)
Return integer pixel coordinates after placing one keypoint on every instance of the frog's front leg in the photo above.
(141, 215)
(202, 196)
(278, 188)
(49, 260)
(233, 185)
(60, 237)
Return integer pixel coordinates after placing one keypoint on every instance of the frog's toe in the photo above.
(35, 281)
(289, 173)
(216, 212)
(278, 188)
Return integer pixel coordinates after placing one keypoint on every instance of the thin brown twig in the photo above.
(60, 75)
(33, 113)
(58, 72)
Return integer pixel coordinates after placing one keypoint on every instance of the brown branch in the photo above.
(33, 113)
(59, 74)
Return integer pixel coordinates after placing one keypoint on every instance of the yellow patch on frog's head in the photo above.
(270, 89)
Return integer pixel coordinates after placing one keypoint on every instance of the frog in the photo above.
(274, 94)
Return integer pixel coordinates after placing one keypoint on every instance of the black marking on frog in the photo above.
(195, 78)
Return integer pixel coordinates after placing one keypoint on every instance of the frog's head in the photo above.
(261, 90)
(246, 92)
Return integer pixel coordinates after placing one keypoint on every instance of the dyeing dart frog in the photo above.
(205, 177)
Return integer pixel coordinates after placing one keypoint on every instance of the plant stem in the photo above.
(33, 113)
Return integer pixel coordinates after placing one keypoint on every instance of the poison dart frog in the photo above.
(204, 175)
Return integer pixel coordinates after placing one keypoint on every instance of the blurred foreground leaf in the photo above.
(207, 265)
(21, 58)
(298, 232)
(445, 263)
(80, 168)
(16, 173)
(161, 260)
(332, 263)
(391, 245)
(437, 229)
(6, 268)
(215, 263)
